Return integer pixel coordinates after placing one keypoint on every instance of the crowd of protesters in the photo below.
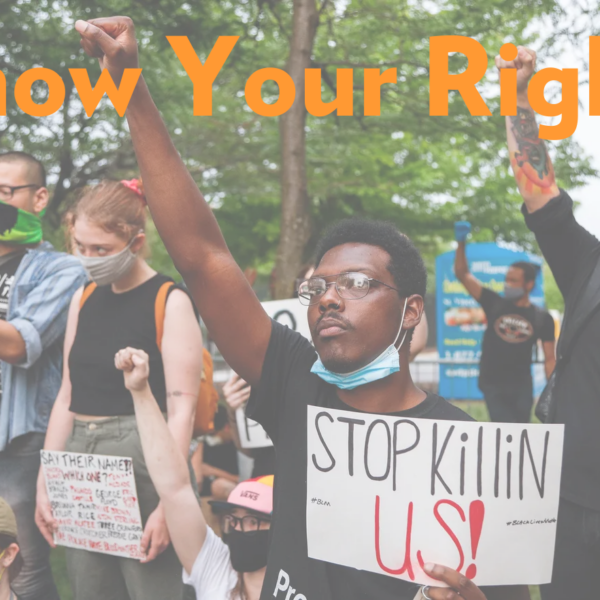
(87, 367)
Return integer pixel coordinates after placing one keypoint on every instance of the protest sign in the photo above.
(291, 313)
(388, 494)
(252, 434)
(94, 501)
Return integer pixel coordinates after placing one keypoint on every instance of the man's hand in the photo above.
(236, 392)
(461, 588)
(155, 539)
(461, 230)
(135, 367)
(525, 65)
(112, 42)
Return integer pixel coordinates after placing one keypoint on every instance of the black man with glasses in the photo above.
(36, 286)
(350, 334)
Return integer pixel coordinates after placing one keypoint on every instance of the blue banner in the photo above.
(461, 320)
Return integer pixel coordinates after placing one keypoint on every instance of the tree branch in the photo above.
(359, 65)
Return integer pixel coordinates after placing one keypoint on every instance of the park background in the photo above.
(276, 183)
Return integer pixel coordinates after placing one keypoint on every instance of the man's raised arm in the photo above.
(529, 157)
(185, 222)
(461, 265)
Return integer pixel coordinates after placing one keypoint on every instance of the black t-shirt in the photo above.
(264, 461)
(279, 402)
(8, 267)
(109, 322)
(567, 247)
(509, 338)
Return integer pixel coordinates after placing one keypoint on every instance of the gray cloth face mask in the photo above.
(513, 293)
(104, 270)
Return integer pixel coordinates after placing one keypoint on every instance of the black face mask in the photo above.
(248, 552)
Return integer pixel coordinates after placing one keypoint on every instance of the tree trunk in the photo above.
(65, 162)
(295, 205)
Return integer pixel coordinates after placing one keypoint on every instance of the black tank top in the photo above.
(109, 322)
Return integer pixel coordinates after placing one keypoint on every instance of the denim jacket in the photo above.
(37, 307)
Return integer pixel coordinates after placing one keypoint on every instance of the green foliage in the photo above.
(554, 299)
(420, 172)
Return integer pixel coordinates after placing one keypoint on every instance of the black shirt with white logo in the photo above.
(8, 267)
(511, 333)
(279, 403)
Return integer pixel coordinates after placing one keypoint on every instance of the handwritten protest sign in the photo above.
(94, 500)
(389, 494)
(291, 313)
(252, 434)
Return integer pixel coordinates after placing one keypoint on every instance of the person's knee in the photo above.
(221, 488)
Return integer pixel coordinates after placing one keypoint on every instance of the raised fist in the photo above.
(461, 230)
(112, 42)
(135, 366)
(525, 65)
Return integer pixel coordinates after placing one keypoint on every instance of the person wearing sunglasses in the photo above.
(36, 286)
(229, 569)
(364, 299)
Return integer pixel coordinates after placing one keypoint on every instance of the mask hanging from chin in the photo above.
(104, 270)
(248, 552)
(387, 363)
(18, 226)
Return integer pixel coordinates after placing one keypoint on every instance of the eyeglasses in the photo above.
(8, 191)
(350, 286)
(249, 524)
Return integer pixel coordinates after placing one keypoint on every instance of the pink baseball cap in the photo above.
(252, 494)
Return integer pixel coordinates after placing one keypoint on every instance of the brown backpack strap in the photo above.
(160, 306)
(87, 292)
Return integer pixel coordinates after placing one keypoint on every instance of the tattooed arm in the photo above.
(529, 157)
(548, 211)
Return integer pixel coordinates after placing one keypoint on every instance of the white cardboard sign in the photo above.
(388, 494)
(252, 434)
(95, 502)
(291, 313)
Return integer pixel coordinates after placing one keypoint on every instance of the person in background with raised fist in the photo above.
(514, 326)
(571, 397)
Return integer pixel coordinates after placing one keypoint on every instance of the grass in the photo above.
(59, 568)
(474, 408)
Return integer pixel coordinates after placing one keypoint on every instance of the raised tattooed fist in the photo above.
(525, 65)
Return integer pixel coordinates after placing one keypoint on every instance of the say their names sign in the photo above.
(389, 494)
(94, 501)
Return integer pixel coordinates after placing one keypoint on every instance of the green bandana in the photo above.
(18, 226)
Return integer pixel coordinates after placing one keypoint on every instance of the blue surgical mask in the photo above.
(387, 363)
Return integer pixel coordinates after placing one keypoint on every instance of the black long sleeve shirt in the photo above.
(567, 247)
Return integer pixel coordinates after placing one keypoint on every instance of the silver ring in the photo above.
(424, 591)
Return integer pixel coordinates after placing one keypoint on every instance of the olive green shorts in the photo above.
(96, 576)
